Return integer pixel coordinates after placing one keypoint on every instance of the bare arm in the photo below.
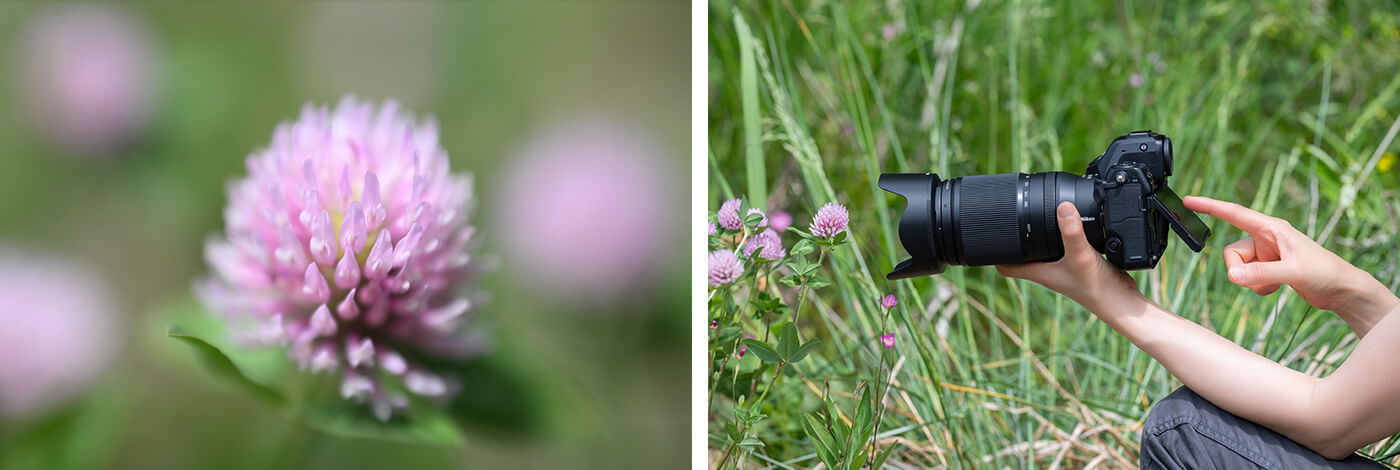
(1333, 416)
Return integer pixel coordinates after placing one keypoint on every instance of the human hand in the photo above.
(1275, 253)
(1082, 274)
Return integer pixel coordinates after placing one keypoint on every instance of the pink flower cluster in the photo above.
(830, 220)
(346, 243)
(724, 267)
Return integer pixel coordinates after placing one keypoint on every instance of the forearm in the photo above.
(1227, 375)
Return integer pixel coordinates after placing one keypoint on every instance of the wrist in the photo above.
(1115, 297)
(1363, 297)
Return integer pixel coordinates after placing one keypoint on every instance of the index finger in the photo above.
(1243, 217)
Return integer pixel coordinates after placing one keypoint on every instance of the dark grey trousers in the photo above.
(1184, 431)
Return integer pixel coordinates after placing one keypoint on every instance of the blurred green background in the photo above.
(1281, 105)
(612, 376)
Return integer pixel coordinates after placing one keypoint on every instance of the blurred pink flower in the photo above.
(889, 31)
(728, 215)
(887, 340)
(86, 76)
(780, 220)
(1135, 80)
(889, 302)
(712, 227)
(830, 220)
(769, 242)
(724, 267)
(57, 332)
(586, 211)
(349, 235)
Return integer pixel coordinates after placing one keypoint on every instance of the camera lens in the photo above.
(987, 219)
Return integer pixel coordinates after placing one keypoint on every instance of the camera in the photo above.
(1123, 200)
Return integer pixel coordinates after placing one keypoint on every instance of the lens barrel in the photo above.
(982, 220)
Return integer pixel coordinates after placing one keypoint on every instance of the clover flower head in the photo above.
(345, 243)
(58, 332)
(728, 215)
(769, 242)
(889, 302)
(830, 220)
(762, 222)
(712, 227)
(887, 340)
(724, 267)
(780, 220)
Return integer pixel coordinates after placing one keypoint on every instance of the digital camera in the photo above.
(1009, 218)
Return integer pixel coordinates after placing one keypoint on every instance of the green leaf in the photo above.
(727, 335)
(748, 87)
(752, 220)
(764, 352)
(220, 363)
(422, 425)
(884, 455)
(793, 280)
(750, 443)
(803, 350)
(816, 432)
(800, 233)
(788, 342)
(809, 269)
(840, 238)
(497, 396)
(818, 282)
(802, 247)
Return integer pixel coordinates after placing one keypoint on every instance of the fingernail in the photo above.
(1236, 273)
(1065, 211)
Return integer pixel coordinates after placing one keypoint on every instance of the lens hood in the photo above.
(916, 227)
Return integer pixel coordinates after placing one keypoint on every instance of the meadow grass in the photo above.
(1287, 107)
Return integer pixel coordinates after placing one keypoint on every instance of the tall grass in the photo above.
(1284, 106)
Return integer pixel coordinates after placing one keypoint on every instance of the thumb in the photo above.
(1071, 228)
(1261, 273)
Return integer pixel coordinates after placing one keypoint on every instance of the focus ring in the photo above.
(987, 218)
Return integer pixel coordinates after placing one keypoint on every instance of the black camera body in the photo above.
(1123, 200)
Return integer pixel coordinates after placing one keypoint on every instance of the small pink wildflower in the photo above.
(830, 220)
(889, 31)
(889, 301)
(728, 215)
(887, 340)
(712, 228)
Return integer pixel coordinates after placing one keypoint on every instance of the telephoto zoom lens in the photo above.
(982, 220)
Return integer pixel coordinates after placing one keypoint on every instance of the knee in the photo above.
(1178, 407)
(1158, 438)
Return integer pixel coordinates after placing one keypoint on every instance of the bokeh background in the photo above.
(1286, 106)
(120, 123)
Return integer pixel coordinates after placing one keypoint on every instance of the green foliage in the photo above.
(220, 363)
